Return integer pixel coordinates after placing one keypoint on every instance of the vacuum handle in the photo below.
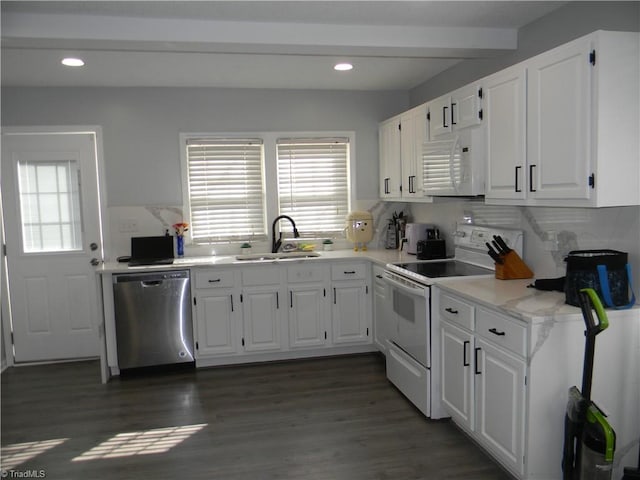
(588, 299)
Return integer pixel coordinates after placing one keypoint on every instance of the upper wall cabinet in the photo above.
(562, 127)
(454, 111)
(389, 151)
(401, 138)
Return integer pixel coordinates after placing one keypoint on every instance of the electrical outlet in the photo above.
(128, 226)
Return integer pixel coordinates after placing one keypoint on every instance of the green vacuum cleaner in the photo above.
(589, 440)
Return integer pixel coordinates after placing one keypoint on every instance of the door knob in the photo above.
(95, 262)
(93, 247)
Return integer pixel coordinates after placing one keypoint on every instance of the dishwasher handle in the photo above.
(151, 283)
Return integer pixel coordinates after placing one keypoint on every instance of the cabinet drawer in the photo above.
(457, 311)
(306, 273)
(215, 279)
(501, 330)
(348, 271)
(264, 275)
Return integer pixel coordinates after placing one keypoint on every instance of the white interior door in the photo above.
(53, 233)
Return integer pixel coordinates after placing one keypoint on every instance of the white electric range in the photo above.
(413, 358)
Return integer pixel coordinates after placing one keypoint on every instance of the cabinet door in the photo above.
(465, 107)
(500, 393)
(216, 323)
(350, 312)
(390, 163)
(261, 319)
(505, 116)
(439, 117)
(413, 133)
(456, 349)
(558, 123)
(307, 316)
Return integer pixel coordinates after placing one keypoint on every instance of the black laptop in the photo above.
(151, 251)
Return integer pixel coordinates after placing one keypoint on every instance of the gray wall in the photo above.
(567, 23)
(141, 127)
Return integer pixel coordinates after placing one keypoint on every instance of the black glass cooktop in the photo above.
(444, 269)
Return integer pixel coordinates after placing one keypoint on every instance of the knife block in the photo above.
(512, 267)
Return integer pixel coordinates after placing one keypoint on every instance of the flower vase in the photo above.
(180, 240)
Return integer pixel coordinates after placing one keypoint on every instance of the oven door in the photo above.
(410, 310)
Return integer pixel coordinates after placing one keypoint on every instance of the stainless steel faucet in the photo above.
(275, 244)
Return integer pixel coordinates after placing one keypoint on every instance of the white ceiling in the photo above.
(394, 45)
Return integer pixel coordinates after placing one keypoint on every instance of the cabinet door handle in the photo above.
(451, 310)
(453, 114)
(349, 272)
(378, 276)
(334, 295)
(496, 332)
(465, 360)
(278, 300)
(531, 189)
(386, 185)
(475, 358)
(291, 297)
(444, 117)
(217, 280)
(231, 297)
(517, 189)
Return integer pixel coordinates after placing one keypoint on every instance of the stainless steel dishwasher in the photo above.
(153, 318)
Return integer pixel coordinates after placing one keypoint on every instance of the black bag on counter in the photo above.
(606, 271)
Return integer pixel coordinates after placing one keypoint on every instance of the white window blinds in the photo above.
(313, 183)
(226, 189)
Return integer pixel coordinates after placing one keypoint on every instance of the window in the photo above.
(226, 189)
(313, 183)
(50, 206)
(236, 184)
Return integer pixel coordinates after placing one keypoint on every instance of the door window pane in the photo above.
(49, 206)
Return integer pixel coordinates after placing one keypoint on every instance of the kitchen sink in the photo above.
(272, 257)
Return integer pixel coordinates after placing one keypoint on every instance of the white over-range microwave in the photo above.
(454, 165)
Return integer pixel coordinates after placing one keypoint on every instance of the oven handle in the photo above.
(417, 290)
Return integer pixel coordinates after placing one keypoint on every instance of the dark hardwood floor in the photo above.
(333, 418)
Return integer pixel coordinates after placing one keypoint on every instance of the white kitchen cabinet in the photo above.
(390, 162)
(457, 374)
(562, 126)
(483, 377)
(400, 149)
(381, 314)
(413, 133)
(455, 111)
(351, 310)
(308, 314)
(500, 390)
(505, 111)
(216, 300)
(261, 310)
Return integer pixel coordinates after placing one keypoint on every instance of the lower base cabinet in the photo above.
(505, 381)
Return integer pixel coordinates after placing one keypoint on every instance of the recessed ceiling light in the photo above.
(72, 62)
(343, 67)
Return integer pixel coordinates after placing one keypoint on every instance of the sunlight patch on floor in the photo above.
(145, 442)
(18, 453)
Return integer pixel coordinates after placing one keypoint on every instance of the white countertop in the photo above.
(513, 297)
(380, 257)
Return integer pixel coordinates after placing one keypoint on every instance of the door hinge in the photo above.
(194, 301)
(243, 342)
(525, 380)
(366, 289)
(428, 116)
(592, 180)
(12, 342)
(400, 126)
(592, 57)
(480, 93)
(241, 299)
(4, 249)
(197, 346)
(480, 114)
